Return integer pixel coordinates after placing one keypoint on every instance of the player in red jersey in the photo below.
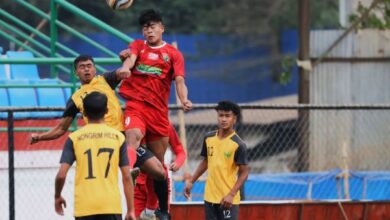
(145, 200)
(153, 65)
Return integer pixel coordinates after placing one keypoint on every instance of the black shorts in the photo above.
(214, 211)
(101, 217)
(143, 155)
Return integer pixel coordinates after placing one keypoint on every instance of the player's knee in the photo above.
(133, 137)
(161, 174)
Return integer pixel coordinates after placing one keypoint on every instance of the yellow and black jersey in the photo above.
(223, 157)
(105, 84)
(99, 151)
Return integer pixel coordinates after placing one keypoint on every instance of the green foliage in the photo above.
(287, 64)
(323, 15)
(251, 22)
(244, 17)
(378, 18)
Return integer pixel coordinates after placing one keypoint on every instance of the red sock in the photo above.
(151, 198)
(169, 185)
(132, 154)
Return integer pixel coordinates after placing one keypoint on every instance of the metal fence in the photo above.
(314, 152)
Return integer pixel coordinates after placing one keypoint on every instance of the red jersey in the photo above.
(152, 74)
(177, 148)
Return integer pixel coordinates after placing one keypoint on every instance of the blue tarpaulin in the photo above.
(329, 185)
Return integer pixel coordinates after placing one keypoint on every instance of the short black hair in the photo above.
(227, 105)
(148, 16)
(82, 58)
(95, 105)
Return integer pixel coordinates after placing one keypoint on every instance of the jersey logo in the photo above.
(165, 57)
(127, 120)
(210, 151)
(227, 154)
(153, 56)
(142, 68)
(82, 96)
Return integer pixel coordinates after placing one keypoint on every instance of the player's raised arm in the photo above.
(53, 133)
(125, 71)
(129, 57)
(61, 128)
(124, 54)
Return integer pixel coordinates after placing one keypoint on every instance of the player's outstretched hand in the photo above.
(187, 105)
(34, 138)
(124, 54)
(130, 216)
(187, 189)
(59, 205)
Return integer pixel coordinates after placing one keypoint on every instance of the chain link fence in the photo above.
(296, 152)
(321, 152)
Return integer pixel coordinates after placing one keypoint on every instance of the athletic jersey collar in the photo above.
(227, 137)
(96, 124)
(156, 47)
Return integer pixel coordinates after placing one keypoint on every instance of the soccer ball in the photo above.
(119, 4)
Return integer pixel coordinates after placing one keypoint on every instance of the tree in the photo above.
(378, 18)
(244, 17)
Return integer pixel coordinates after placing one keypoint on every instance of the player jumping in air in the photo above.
(153, 65)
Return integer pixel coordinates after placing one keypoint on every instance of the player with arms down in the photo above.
(99, 151)
(225, 159)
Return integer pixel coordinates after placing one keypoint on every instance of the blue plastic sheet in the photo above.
(329, 185)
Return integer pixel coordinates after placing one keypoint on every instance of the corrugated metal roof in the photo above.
(251, 116)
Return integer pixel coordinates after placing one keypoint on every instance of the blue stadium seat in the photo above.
(22, 97)
(49, 97)
(3, 74)
(68, 93)
(3, 102)
(3, 92)
(22, 71)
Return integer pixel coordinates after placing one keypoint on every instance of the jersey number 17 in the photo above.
(88, 152)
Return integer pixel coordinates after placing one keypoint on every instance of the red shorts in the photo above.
(140, 198)
(152, 122)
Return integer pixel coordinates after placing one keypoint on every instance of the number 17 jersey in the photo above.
(99, 151)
